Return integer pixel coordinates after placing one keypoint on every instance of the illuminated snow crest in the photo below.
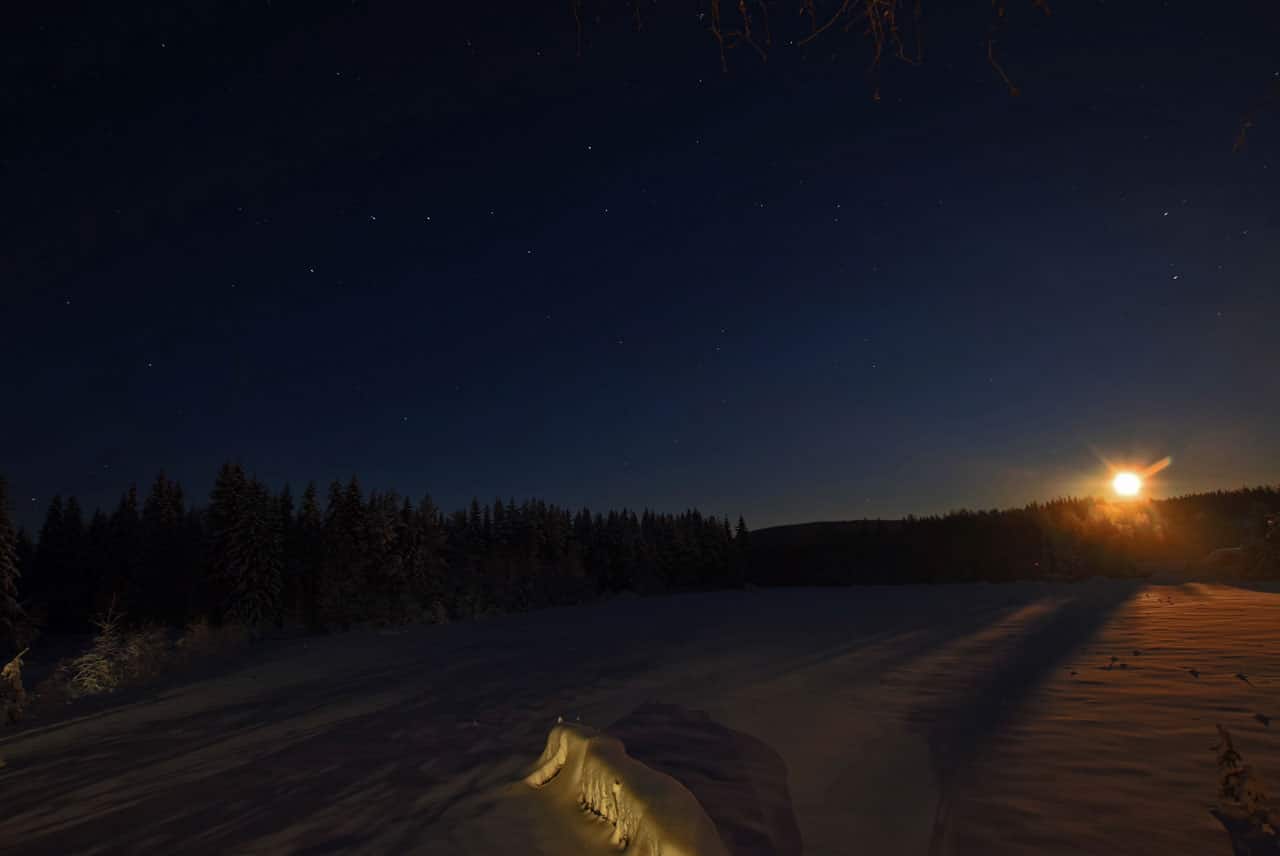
(651, 813)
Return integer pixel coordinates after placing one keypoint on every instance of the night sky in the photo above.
(433, 247)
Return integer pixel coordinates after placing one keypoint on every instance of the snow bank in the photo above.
(652, 814)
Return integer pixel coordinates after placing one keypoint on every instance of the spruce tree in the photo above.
(425, 560)
(228, 508)
(159, 593)
(59, 583)
(74, 597)
(47, 578)
(26, 552)
(305, 551)
(256, 559)
(382, 559)
(10, 606)
(124, 560)
(344, 559)
(291, 590)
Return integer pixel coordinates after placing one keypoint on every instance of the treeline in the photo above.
(1065, 539)
(327, 561)
(264, 558)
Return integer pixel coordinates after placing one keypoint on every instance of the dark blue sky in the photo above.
(437, 249)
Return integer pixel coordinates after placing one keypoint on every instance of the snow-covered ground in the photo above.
(973, 719)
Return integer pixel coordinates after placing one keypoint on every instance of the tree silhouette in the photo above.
(303, 549)
(247, 557)
(10, 607)
(246, 544)
(159, 593)
(888, 29)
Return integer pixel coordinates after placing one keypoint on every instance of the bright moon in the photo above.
(1127, 484)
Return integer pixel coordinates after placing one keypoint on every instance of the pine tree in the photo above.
(10, 606)
(291, 590)
(75, 598)
(160, 593)
(475, 525)
(382, 559)
(246, 548)
(59, 582)
(124, 559)
(256, 559)
(344, 560)
(428, 567)
(49, 555)
(305, 551)
(227, 507)
(741, 552)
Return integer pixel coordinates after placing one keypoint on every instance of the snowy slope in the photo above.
(948, 719)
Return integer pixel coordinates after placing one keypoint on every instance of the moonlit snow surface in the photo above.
(965, 719)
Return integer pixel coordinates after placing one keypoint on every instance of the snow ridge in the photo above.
(652, 814)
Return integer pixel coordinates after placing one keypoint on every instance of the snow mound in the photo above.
(651, 813)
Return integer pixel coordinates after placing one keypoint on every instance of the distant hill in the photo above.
(1063, 539)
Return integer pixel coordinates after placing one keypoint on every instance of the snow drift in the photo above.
(651, 813)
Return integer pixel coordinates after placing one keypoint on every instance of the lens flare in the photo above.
(1127, 484)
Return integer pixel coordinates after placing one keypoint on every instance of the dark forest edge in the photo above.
(1220, 534)
(254, 561)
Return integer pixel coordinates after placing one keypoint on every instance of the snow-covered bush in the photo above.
(116, 656)
(1244, 809)
(13, 697)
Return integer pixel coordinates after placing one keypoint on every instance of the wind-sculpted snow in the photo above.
(651, 813)
(1048, 719)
